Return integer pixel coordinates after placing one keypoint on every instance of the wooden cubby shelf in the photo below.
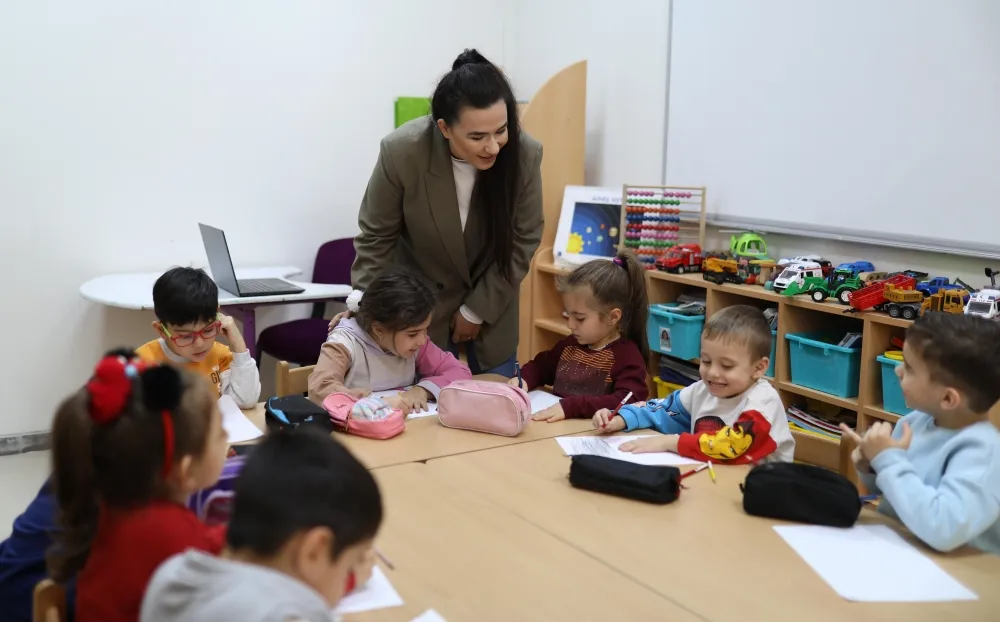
(795, 314)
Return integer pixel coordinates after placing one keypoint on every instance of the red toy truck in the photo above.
(680, 259)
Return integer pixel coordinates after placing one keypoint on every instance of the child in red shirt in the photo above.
(605, 358)
(128, 450)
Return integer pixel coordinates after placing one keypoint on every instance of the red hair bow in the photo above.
(111, 386)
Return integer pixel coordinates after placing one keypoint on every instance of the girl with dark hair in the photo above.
(458, 197)
(127, 451)
(384, 346)
(604, 360)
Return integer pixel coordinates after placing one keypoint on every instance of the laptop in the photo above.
(225, 276)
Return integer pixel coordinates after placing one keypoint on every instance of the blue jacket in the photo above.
(22, 557)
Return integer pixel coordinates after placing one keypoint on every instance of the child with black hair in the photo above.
(188, 321)
(384, 346)
(938, 469)
(300, 536)
(605, 358)
(127, 451)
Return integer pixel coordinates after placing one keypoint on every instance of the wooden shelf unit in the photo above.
(795, 314)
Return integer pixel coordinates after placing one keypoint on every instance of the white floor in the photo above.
(21, 475)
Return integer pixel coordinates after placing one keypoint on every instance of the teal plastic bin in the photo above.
(818, 363)
(675, 334)
(774, 345)
(892, 392)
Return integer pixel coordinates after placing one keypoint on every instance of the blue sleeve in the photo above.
(667, 416)
(961, 507)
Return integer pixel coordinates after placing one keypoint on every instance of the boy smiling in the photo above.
(186, 304)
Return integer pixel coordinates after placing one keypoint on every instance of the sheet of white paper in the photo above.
(378, 593)
(872, 563)
(429, 616)
(236, 424)
(540, 400)
(608, 446)
(432, 407)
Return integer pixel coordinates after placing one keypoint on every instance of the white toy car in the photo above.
(796, 272)
(984, 304)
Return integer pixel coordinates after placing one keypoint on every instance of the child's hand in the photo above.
(860, 463)
(551, 414)
(651, 445)
(415, 399)
(606, 423)
(878, 438)
(228, 327)
(516, 382)
(363, 571)
(343, 315)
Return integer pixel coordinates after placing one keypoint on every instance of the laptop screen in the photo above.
(218, 258)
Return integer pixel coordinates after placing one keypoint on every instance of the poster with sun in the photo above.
(588, 224)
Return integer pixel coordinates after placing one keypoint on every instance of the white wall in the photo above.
(123, 124)
(625, 45)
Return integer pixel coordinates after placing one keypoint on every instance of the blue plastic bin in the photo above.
(774, 345)
(817, 362)
(674, 333)
(892, 393)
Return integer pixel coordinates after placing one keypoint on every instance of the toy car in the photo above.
(857, 267)
(984, 304)
(797, 273)
(680, 259)
(839, 285)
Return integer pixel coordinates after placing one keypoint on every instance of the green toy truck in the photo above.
(838, 285)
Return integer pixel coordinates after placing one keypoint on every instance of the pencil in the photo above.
(619, 407)
(711, 472)
(384, 559)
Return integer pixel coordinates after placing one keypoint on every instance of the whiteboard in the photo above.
(880, 117)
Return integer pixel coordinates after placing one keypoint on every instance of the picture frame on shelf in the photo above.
(589, 225)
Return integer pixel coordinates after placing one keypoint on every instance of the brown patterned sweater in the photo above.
(588, 380)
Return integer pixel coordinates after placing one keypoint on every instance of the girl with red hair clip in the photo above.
(128, 450)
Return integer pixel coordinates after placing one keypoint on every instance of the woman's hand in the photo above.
(343, 315)
(462, 329)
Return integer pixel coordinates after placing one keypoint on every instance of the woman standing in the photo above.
(457, 197)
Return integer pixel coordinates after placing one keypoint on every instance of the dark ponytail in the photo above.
(110, 449)
(619, 283)
(475, 82)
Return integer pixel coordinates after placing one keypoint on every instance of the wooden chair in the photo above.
(291, 381)
(49, 602)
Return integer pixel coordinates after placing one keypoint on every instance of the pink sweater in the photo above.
(350, 359)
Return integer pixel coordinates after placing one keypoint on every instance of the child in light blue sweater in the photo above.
(938, 471)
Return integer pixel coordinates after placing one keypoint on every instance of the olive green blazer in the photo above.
(409, 217)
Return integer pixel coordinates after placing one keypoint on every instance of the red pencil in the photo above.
(617, 408)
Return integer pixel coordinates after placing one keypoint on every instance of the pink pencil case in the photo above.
(483, 406)
(340, 405)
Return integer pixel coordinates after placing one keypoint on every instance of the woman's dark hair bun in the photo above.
(469, 57)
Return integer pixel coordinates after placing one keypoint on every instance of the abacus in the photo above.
(654, 218)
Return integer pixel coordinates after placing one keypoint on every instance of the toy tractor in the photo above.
(838, 285)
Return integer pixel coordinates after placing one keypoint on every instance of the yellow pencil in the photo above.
(711, 472)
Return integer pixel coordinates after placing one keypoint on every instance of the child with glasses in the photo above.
(186, 304)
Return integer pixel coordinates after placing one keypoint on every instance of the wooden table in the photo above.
(426, 438)
(461, 554)
(702, 552)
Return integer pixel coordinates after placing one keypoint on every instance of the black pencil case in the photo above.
(654, 484)
(802, 493)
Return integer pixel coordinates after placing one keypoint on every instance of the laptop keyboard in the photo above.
(256, 287)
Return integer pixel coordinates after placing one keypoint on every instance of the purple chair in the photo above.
(299, 341)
